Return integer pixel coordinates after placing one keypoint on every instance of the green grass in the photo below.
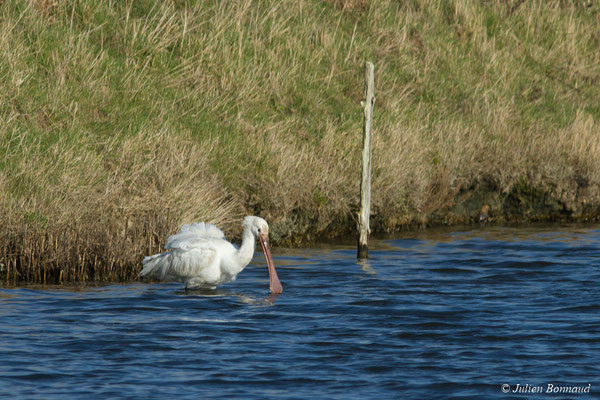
(122, 120)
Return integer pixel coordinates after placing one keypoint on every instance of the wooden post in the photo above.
(365, 184)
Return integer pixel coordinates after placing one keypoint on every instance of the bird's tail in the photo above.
(155, 265)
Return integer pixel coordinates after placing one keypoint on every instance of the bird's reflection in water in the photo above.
(243, 298)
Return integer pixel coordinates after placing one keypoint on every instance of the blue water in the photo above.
(431, 315)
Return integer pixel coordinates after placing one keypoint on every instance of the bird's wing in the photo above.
(192, 259)
(194, 235)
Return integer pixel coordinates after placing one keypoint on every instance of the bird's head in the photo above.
(257, 226)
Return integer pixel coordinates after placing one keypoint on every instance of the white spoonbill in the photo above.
(200, 256)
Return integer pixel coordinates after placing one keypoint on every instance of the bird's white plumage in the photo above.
(190, 235)
(200, 256)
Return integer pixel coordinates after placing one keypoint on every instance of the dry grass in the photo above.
(93, 214)
(120, 121)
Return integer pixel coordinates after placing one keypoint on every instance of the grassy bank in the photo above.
(121, 120)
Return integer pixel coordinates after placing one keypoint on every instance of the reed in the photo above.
(122, 120)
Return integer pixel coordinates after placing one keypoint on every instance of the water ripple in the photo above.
(449, 315)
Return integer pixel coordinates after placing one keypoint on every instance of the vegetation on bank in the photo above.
(122, 120)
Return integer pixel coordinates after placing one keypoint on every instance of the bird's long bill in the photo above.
(275, 285)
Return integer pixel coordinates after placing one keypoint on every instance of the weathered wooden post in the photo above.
(365, 184)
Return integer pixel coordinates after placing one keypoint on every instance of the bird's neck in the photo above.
(246, 251)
